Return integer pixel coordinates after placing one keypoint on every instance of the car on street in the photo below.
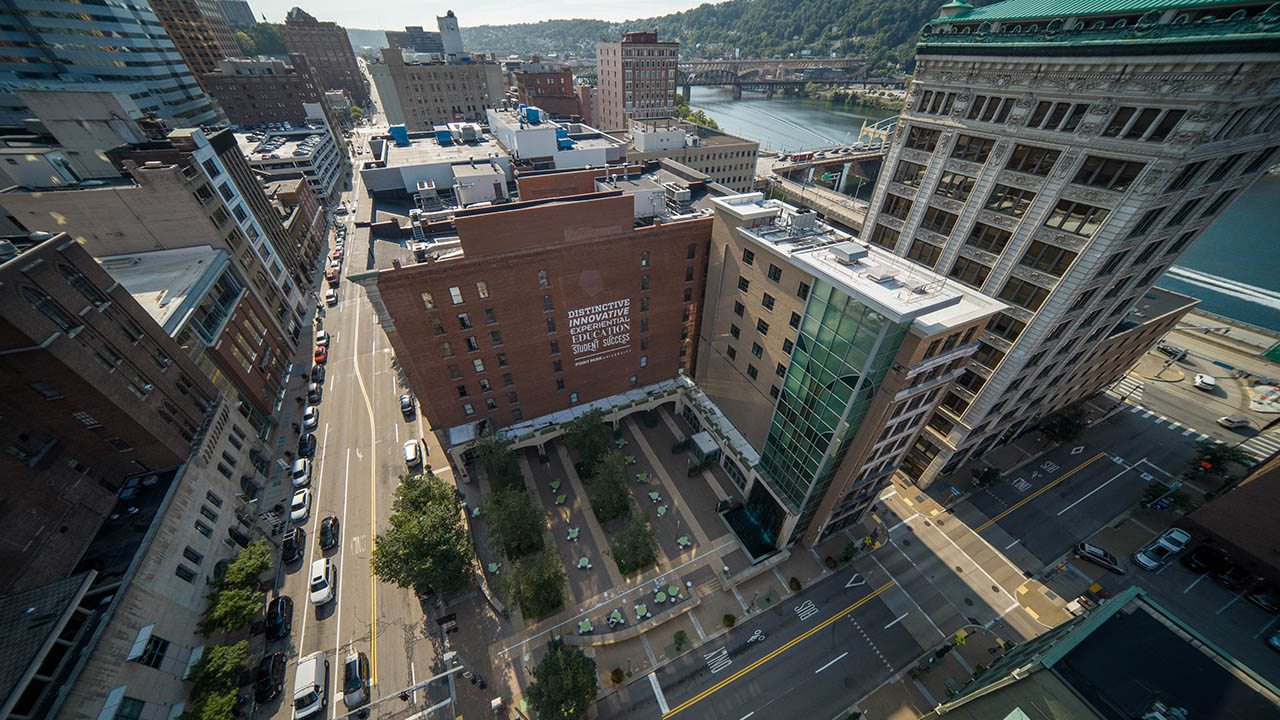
(311, 686)
(322, 355)
(329, 532)
(311, 417)
(1273, 642)
(1231, 422)
(331, 297)
(1205, 382)
(1235, 577)
(295, 541)
(406, 407)
(340, 211)
(317, 373)
(336, 255)
(412, 454)
(300, 505)
(322, 338)
(1205, 559)
(279, 618)
(322, 581)
(1155, 554)
(331, 277)
(355, 680)
(1099, 557)
(301, 473)
(269, 679)
(307, 445)
(1266, 598)
(1172, 351)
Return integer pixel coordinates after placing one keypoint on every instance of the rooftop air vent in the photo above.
(848, 253)
(881, 273)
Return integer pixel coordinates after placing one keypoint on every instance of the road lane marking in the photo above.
(806, 610)
(1015, 542)
(833, 662)
(1193, 584)
(790, 644)
(373, 513)
(904, 521)
(907, 594)
(1037, 493)
(318, 480)
(744, 717)
(657, 692)
(342, 551)
(1230, 602)
(1262, 629)
(895, 622)
(1091, 492)
(717, 660)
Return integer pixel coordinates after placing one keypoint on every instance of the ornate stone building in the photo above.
(1061, 161)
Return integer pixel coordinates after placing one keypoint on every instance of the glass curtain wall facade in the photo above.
(842, 352)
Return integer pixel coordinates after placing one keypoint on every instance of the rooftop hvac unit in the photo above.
(679, 194)
(881, 273)
(848, 252)
(804, 221)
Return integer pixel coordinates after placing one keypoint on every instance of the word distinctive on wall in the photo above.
(600, 332)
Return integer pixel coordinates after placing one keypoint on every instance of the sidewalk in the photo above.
(918, 689)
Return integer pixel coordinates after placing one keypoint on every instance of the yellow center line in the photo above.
(1037, 493)
(373, 508)
(825, 623)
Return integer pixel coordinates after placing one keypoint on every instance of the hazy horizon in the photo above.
(395, 14)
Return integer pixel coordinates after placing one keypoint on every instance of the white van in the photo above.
(311, 686)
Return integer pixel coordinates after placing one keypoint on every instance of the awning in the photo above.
(140, 643)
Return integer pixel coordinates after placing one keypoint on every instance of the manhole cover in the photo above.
(968, 601)
(959, 569)
(995, 588)
(906, 542)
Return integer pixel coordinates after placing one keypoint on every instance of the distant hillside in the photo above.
(366, 38)
(884, 30)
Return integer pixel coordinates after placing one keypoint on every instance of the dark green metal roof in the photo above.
(1034, 9)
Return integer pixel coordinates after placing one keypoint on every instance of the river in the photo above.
(1234, 268)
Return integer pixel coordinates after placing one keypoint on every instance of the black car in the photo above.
(307, 445)
(1267, 599)
(295, 541)
(317, 373)
(279, 618)
(269, 680)
(406, 407)
(1235, 577)
(329, 533)
(1172, 351)
(1204, 558)
(313, 392)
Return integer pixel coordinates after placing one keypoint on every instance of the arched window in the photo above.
(81, 283)
(51, 309)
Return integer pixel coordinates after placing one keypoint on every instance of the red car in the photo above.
(331, 277)
(337, 253)
(322, 355)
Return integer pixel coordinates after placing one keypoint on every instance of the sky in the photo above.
(395, 14)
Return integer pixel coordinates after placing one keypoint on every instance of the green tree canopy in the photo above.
(634, 547)
(248, 566)
(564, 683)
(610, 496)
(536, 584)
(426, 546)
(589, 437)
(1219, 456)
(516, 523)
(261, 39)
(230, 609)
(218, 670)
(497, 462)
(356, 113)
(218, 706)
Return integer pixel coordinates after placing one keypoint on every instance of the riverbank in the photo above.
(880, 98)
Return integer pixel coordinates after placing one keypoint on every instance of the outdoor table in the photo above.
(662, 510)
(683, 541)
(555, 484)
(631, 459)
(573, 534)
(616, 617)
(475, 511)
(622, 443)
(641, 611)
(584, 563)
(493, 568)
(642, 477)
(673, 591)
(560, 499)
(655, 497)
(661, 597)
(584, 627)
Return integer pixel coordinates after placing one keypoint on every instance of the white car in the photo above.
(1205, 382)
(323, 580)
(1156, 553)
(322, 338)
(412, 456)
(311, 417)
(330, 297)
(300, 506)
(1231, 422)
(301, 474)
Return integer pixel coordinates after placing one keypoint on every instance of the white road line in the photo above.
(1015, 542)
(1091, 492)
(744, 717)
(891, 492)
(1147, 414)
(1187, 432)
(342, 551)
(397, 428)
(833, 662)
(898, 620)
(1261, 630)
(904, 592)
(1193, 584)
(1230, 602)
(657, 692)
(413, 683)
(904, 521)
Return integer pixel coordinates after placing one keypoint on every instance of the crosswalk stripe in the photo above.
(1187, 432)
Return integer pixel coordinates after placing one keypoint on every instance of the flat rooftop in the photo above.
(424, 150)
(282, 147)
(895, 287)
(168, 284)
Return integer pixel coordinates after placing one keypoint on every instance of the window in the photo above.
(794, 321)
(644, 304)
(803, 291)
(688, 274)
(767, 301)
(775, 273)
(644, 325)
(756, 349)
(455, 294)
(1113, 263)
(955, 186)
(773, 391)
(1107, 173)
(1148, 219)
(464, 321)
(743, 284)
(551, 325)
(1184, 178)
(973, 149)
(1262, 160)
(190, 554)
(46, 391)
(988, 355)
(555, 347)
(1047, 258)
(1062, 116)
(86, 418)
(477, 365)
(546, 304)
(1118, 287)
(1179, 244)
(428, 302)
(939, 221)
(748, 257)
(693, 251)
(752, 372)
(936, 103)
(437, 327)
(1184, 212)
(573, 397)
(924, 253)
(919, 138)
(787, 345)
(896, 206)
(472, 345)
(734, 331)
(644, 282)
(1024, 293)
(542, 279)
(204, 529)
(1078, 218)
(1218, 203)
(1007, 327)
(986, 237)
(644, 258)
(1008, 200)
(462, 391)
(208, 513)
(970, 272)
(762, 327)
(212, 497)
(468, 410)
(1082, 299)
(909, 173)
(885, 236)
(482, 289)
(731, 352)
(82, 284)
(490, 404)
(990, 108)
(644, 343)
(51, 309)
(738, 308)
(1030, 159)
(495, 337)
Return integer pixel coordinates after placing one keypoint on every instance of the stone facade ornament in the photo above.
(1206, 113)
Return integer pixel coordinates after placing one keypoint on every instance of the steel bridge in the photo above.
(768, 75)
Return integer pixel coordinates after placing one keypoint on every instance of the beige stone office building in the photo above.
(430, 93)
(1061, 162)
(726, 159)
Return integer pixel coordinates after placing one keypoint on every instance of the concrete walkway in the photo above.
(593, 525)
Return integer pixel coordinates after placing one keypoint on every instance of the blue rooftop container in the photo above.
(400, 134)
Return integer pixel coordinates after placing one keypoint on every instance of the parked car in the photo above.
(301, 474)
(1205, 382)
(317, 373)
(300, 505)
(1099, 557)
(412, 455)
(1172, 351)
(330, 297)
(307, 445)
(322, 338)
(279, 618)
(1155, 554)
(329, 532)
(1205, 559)
(1231, 422)
(355, 680)
(295, 540)
(269, 679)
(322, 581)
(331, 277)
(1235, 577)
(322, 355)
(406, 407)
(313, 389)
(1273, 642)
(311, 686)
(1267, 598)
(311, 417)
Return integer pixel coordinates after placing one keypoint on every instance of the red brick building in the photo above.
(550, 304)
(548, 86)
(301, 214)
(328, 50)
(264, 90)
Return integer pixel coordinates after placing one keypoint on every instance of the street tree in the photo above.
(426, 546)
(497, 462)
(217, 706)
(1218, 457)
(230, 609)
(634, 547)
(610, 496)
(248, 566)
(536, 584)
(564, 683)
(516, 523)
(219, 669)
(1065, 425)
(588, 437)
(982, 477)
(356, 112)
